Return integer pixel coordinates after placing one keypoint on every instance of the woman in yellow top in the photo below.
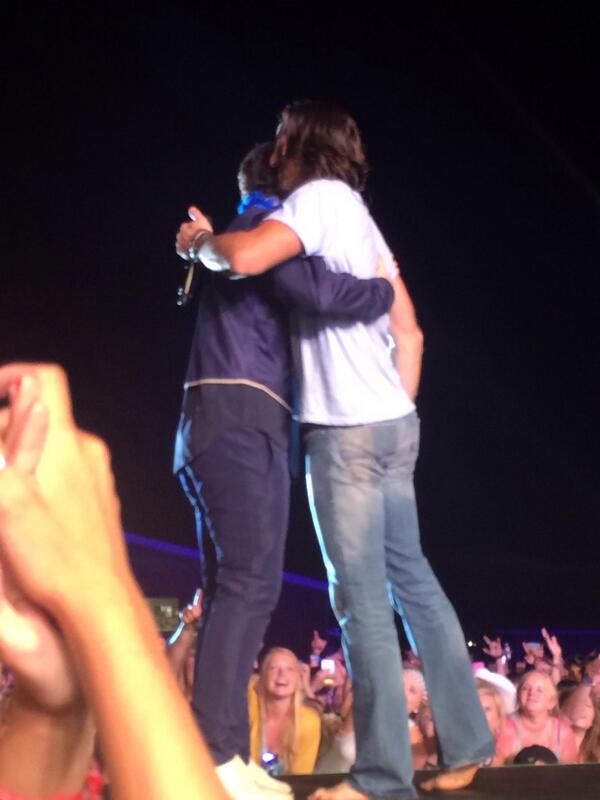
(281, 725)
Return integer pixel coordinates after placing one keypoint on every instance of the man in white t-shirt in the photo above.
(362, 440)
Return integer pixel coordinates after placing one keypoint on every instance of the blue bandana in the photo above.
(259, 200)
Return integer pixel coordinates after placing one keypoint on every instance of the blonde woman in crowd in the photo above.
(283, 729)
(536, 721)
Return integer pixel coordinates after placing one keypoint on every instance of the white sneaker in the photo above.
(264, 781)
(238, 782)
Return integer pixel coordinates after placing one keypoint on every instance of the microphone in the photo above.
(184, 293)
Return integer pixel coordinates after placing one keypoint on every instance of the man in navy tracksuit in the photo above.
(231, 456)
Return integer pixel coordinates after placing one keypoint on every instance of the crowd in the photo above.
(85, 672)
(540, 708)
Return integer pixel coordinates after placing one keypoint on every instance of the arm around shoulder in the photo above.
(306, 285)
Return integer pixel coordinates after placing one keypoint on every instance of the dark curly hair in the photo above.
(325, 142)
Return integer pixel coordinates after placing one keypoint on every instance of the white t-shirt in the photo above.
(346, 372)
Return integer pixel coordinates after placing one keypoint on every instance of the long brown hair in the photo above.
(325, 142)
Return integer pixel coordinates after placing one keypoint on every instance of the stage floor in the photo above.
(550, 782)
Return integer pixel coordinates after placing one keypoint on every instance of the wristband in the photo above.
(199, 238)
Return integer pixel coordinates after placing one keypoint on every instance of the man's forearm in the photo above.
(409, 357)
(248, 252)
(557, 673)
(213, 252)
(408, 338)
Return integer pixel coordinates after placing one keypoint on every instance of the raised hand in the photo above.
(193, 611)
(553, 646)
(493, 647)
(320, 679)
(23, 423)
(57, 496)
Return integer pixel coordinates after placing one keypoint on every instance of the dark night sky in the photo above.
(483, 130)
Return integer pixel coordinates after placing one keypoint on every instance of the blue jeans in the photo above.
(360, 483)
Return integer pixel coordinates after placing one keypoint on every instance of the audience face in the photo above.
(414, 690)
(280, 674)
(536, 694)
(579, 709)
(491, 708)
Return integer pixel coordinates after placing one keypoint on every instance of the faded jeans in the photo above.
(360, 484)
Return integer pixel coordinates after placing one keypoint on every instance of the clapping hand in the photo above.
(23, 422)
(33, 648)
(58, 499)
(30, 643)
